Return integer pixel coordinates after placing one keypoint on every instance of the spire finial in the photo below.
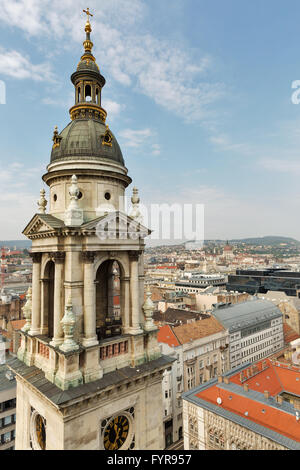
(88, 45)
(87, 11)
(88, 28)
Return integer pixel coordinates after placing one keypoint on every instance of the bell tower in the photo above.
(89, 367)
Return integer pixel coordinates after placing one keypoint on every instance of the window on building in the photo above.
(7, 420)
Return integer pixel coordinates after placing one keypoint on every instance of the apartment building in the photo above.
(199, 353)
(7, 408)
(255, 330)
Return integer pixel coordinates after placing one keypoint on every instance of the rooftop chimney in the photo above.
(226, 380)
(246, 387)
(297, 405)
(267, 394)
(220, 379)
(279, 399)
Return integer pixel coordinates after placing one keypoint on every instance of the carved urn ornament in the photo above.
(27, 311)
(68, 324)
(42, 202)
(74, 215)
(148, 308)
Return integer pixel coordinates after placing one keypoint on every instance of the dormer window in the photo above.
(107, 138)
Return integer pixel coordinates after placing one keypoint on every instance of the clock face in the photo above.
(116, 433)
(40, 432)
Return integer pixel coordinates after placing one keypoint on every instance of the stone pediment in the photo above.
(116, 225)
(43, 223)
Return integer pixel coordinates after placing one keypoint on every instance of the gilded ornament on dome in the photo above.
(107, 138)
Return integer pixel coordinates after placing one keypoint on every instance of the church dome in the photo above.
(87, 139)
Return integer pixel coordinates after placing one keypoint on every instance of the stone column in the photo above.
(135, 328)
(36, 294)
(125, 304)
(89, 319)
(58, 338)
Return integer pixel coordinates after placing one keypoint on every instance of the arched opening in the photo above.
(48, 287)
(78, 95)
(88, 93)
(108, 300)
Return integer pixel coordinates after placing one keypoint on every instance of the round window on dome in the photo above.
(107, 196)
(55, 197)
(80, 195)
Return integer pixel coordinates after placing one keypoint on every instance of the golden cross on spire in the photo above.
(87, 11)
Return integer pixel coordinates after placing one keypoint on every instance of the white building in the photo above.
(255, 330)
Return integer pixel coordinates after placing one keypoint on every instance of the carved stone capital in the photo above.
(88, 256)
(134, 255)
(36, 257)
(59, 257)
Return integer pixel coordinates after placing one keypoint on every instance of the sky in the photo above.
(199, 94)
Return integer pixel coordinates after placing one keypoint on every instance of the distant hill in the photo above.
(269, 240)
(264, 241)
(20, 244)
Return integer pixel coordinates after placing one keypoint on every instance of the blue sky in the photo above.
(198, 94)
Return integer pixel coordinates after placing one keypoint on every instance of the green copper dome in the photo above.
(87, 139)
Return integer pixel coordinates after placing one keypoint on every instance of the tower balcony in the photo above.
(68, 369)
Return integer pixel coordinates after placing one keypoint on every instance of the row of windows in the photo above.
(191, 381)
(7, 437)
(259, 356)
(7, 405)
(256, 339)
(11, 419)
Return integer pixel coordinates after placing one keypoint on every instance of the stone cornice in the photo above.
(59, 175)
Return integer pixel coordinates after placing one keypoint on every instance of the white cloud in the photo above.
(156, 149)
(113, 108)
(281, 165)
(14, 64)
(135, 138)
(165, 72)
(17, 203)
(230, 215)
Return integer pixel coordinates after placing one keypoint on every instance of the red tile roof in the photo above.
(198, 329)
(17, 324)
(272, 377)
(166, 335)
(273, 418)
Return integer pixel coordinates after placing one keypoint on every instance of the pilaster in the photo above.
(89, 312)
(135, 328)
(59, 259)
(36, 294)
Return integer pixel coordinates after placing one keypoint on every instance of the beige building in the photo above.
(89, 376)
(199, 352)
(204, 345)
(288, 305)
(214, 295)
